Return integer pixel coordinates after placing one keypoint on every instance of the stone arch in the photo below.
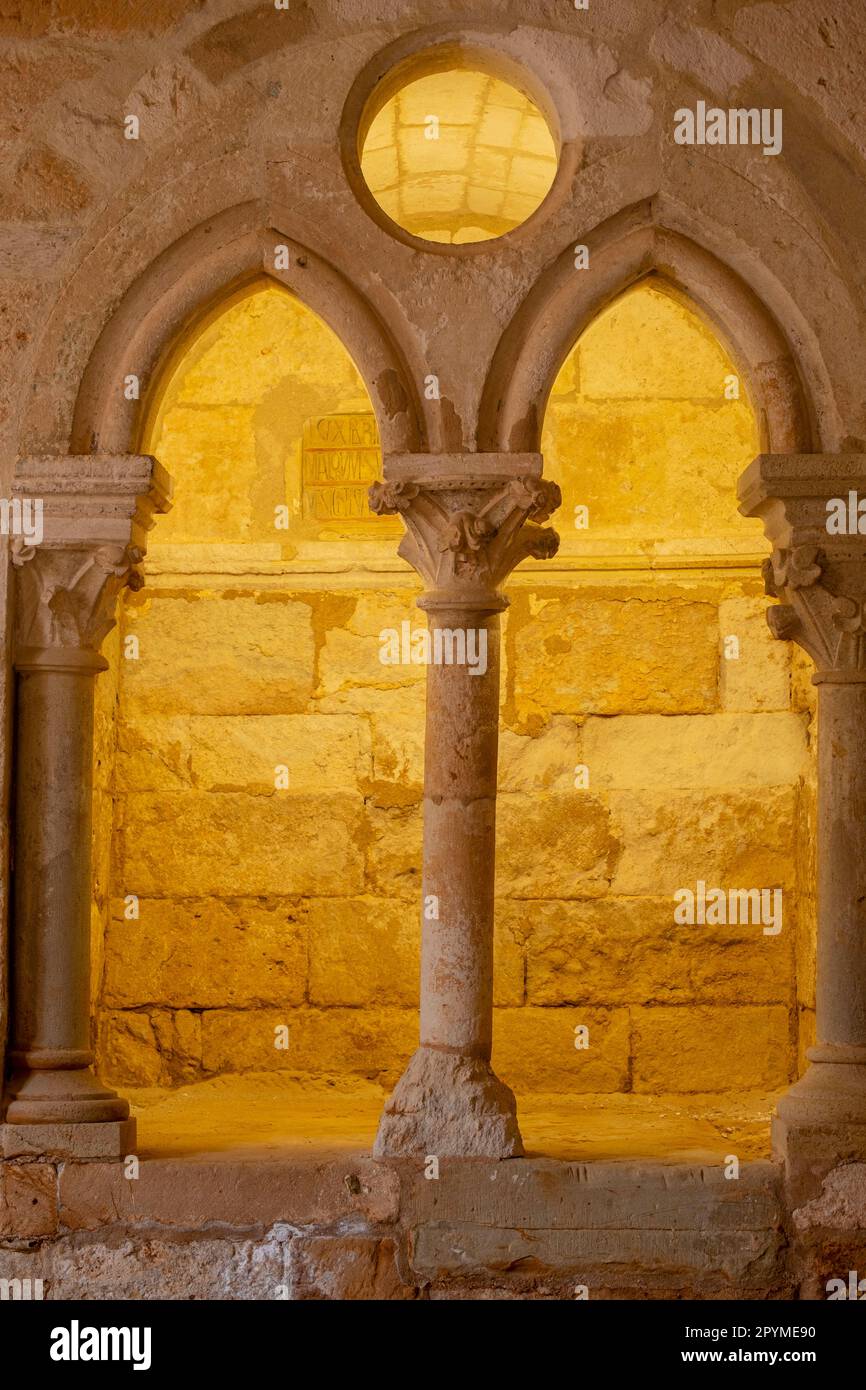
(180, 286)
(792, 417)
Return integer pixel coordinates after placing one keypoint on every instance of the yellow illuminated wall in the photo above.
(263, 408)
(459, 156)
(649, 427)
(263, 898)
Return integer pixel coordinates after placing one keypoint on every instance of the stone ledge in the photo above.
(335, 1225)
(233, 1191)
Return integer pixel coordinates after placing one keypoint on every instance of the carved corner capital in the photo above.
(67, 597)
(817, 569)
(466, 531)
(93, 512)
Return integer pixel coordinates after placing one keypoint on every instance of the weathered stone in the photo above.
(559, 845)
(76, 1141)
(546, 762)
(302, 1190)
(28, 1200)
(347, 1267)
(208, 953)
(735, 1259)
(244, 753)
(245, 654)
(48, 186)
(349, 662)
(127, 1049)
(842, 1203)
(363, 951)
(398, 749)
(449, 1105)
(178, 1038)
(625, 1195)
(360, 1042)
(631, 951)
(759, 677)
(229, 844)
(700, 752)
(569, 654)
(670, 840)
(394, 851)
(536, 1049)
(804, 696)
(710, 1048)
(159, 1268)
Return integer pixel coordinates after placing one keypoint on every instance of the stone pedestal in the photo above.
(96, 510)
(819, 574)
(466, 530)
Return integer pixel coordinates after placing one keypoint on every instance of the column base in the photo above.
(59, 1095)
(107, 1140)
(451, 1106)
(820, 1123)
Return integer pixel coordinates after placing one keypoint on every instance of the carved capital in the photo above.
(68, 597)
(95, 512)
(818, 572)
(467, 530)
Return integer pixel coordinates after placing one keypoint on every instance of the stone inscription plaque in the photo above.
(340, 458)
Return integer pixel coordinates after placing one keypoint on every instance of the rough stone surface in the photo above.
(449, 1105)
(28, 1200)
(331, 1228)
(348, 1267)
(693, 1049)
(842, 1203)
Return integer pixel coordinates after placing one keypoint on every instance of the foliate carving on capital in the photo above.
(468, 533)
(67, 596)
(829, 626)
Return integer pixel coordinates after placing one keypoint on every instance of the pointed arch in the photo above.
(180, 287)
(623, 251)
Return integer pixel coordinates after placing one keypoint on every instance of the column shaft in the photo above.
(53, 786)
(52, 1081)
(841, 982)
(462, 735)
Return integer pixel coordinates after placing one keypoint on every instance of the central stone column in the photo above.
(95, 511)
(469, 521)
(818, 570)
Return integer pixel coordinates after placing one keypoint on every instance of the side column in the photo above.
(808, 504)
(465, 533)
(95, 510)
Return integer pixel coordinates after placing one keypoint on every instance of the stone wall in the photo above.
(261, 906)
